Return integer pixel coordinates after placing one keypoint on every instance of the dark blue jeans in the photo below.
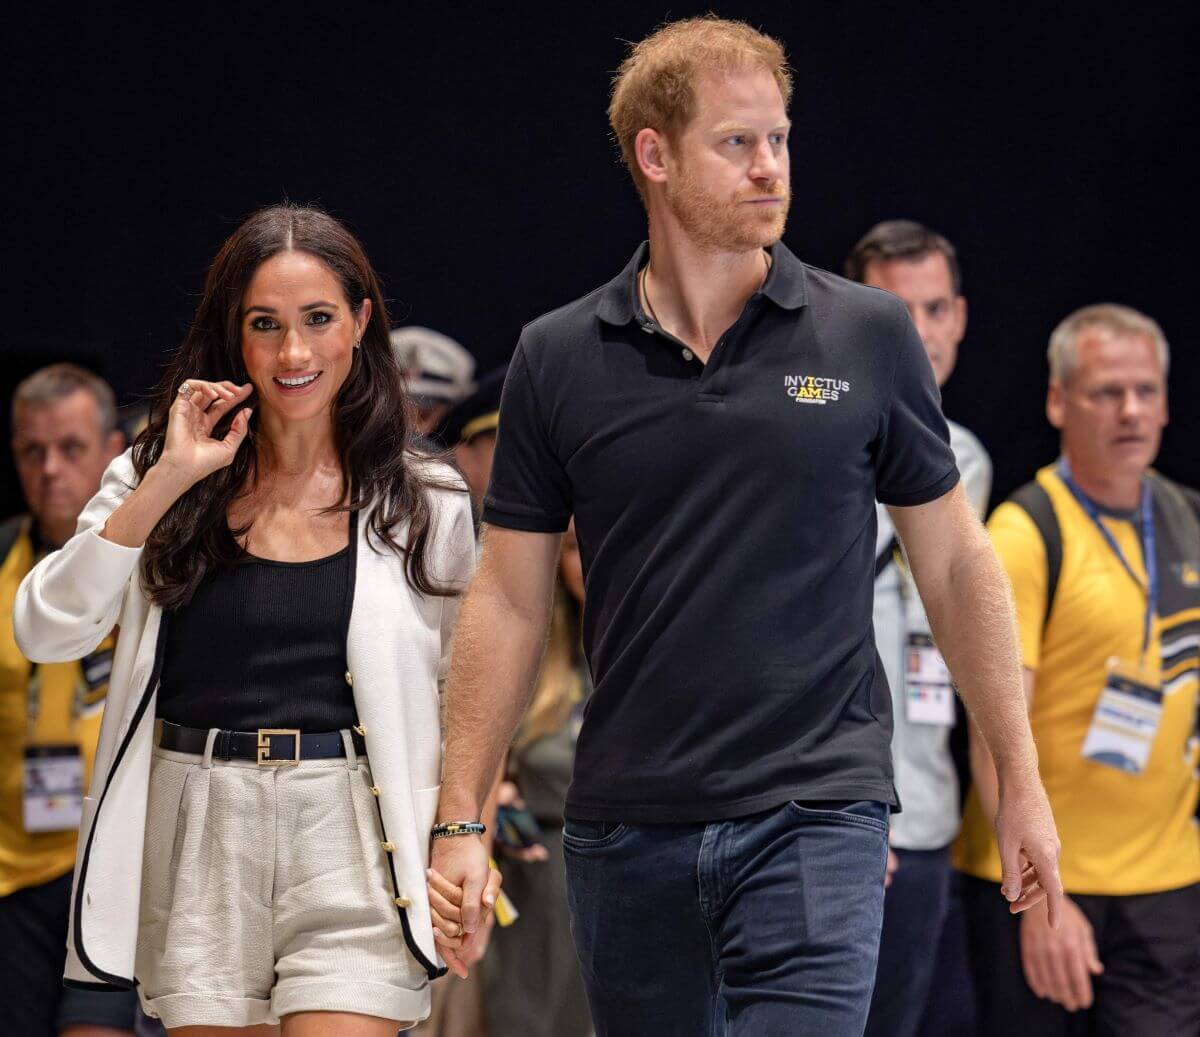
(761, 925)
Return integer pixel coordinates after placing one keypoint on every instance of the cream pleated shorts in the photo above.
(265, 891)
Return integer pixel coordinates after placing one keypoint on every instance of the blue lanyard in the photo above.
(1149, 559)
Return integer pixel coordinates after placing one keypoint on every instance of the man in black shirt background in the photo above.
(720, 419)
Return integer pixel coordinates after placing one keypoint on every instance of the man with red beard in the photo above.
(719, 419)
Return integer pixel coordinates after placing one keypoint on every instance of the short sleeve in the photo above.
(1023, 554)
(913, 463)
(529, 488)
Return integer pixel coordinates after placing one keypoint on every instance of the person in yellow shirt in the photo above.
(64, 433)
(1104, 558)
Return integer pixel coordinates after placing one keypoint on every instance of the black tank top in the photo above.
(263, 644)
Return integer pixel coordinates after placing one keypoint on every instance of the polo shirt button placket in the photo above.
(688, 354)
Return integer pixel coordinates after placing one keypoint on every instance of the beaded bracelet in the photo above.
(449, 828)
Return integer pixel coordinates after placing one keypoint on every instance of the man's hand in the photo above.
(1029, 847)
(1059, 963)
(462, 892)
(472, 954)
(893, 865)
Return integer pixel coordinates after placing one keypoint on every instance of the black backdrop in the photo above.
(468, 147)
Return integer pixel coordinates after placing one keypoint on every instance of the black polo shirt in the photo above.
(726, 521)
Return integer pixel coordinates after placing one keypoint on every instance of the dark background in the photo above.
(469, 148)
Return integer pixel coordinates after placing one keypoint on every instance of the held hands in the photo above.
(1029, 848)
(462, 892)
(1059, 963)
(189, 448)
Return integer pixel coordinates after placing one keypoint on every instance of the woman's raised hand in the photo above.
(189, 455)
(189, 446)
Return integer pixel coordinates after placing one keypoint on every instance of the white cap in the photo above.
(436, 368)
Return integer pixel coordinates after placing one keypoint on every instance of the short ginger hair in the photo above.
(655, 86)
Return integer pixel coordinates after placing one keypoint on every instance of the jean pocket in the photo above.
(864, 812)
(589, 834)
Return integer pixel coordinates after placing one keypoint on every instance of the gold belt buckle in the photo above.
(264, 745)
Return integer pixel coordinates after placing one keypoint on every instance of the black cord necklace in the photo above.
(646, 294)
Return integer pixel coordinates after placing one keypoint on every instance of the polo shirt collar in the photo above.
(785, 285)
(618, 299)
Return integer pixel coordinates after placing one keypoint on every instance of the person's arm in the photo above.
(983, 770)
(498, 644)
(966, 596)
(68, 602)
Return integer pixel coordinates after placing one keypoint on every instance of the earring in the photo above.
(358, 344)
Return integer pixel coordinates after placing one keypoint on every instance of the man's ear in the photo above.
(1056, 405)
(115, 443)
(652, 151)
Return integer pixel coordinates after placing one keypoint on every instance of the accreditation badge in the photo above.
(52, 789)
(1126, 718)
(928, 690)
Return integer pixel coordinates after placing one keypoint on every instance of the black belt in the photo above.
(266, 746)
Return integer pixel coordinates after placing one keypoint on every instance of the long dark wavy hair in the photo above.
(370, 414)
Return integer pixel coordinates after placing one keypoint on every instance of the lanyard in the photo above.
(1149, 559)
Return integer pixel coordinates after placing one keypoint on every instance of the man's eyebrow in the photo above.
(723, 128)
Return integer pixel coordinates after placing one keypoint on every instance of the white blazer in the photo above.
(397, 649)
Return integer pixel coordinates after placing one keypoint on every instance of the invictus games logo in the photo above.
(807, 388)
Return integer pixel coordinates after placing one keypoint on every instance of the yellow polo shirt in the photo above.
(69, 702)
(1121, 833)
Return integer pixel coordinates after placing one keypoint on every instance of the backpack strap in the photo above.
(1035, 502)
(1179, 505)
(1191, 496)
(10, 530)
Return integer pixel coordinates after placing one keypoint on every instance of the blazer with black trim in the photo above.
(397, 648)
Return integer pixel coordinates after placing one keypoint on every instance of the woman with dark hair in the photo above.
(284, 574)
